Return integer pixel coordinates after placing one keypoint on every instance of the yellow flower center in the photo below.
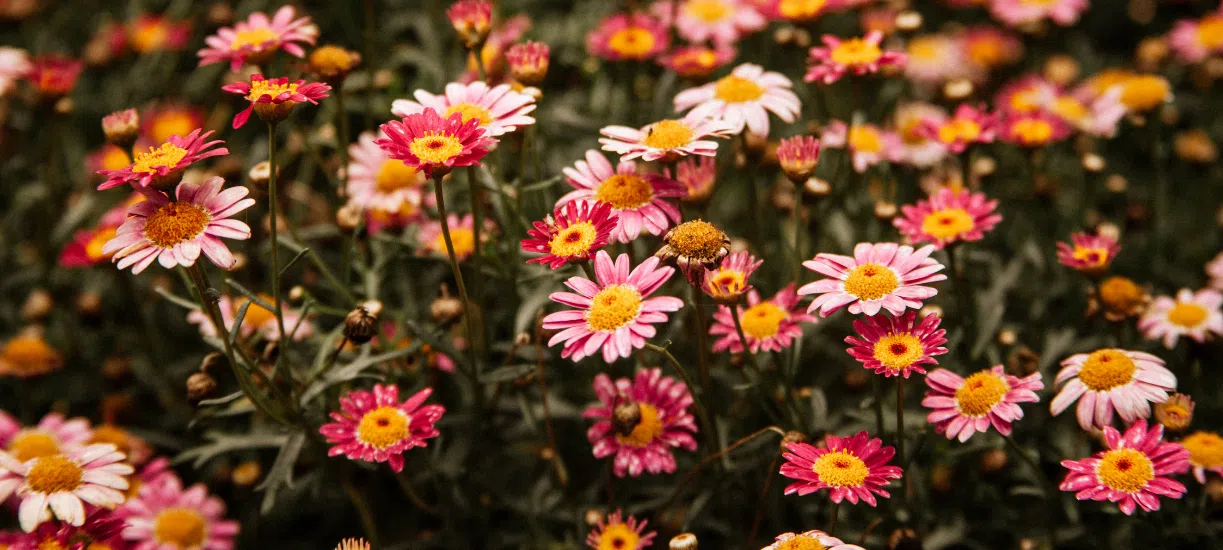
(1205, 449)
(898, 351)
(574, 240)
(1210, 32)
(986, 50)
(33, 444)
(613, 307)
(470, 111)
(763, 320)
(841, 469)
(257, 315)
(115, 158)
(260, 88)
(1187, 314)
(925, 48)
(1070, 108)
(1106, 369)
(394, 175)
(28, 354)
(633, 42)
(625, 191)
(255, 37)
(463, 239)
(110, 433)
(1120, 294)
(173, 123)
(728, 282)
(871, 281)
(1024, 101)
(1032, 131)
(801, 542)
(668, 134)
(959, 129)
(175, 223)
(93, 248)
(865, 139)
(331, 60)
(435, 148)
(947, 224)
(166, 156)
(182, 528)
(1145, 92)
(383, 427)
(53, 474)
(149, 36)
(800, 9)
(736, 89)
(709, 11)
(1092, 255)
(1125, 470)
(855, 51)
(618, 536)
(980, 393)
(647, 429)
(698, 240)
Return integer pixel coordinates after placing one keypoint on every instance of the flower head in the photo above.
(614, 312)
(28, 355)
(434, 145)
(1192, 314)
(815, 540)
(639, 200)
(697, 61)
(858, 56)
(667, 140)
(160, 123)
(1195, 40)
(618, 532)
(462, 236)
(744, 99)
(897, 345)
(472, 20)
(499, 110)
(353, 544)
(1109, 379)
(573, 233)
(1205, 453)
(1088, 254)
(151, 33)
(800, 11)
(1176, 413)
(969, 125)
(332, 63)
(717, 21)
(258, 320)
(274, 99)
(162, 167)
(988, 47)
(640, 421)
(375, 426)
(121, 127)
(164, 515)
(378, 182)
(849, 467)
(1141, 93)
(1022, 12)
(961, 407)
(798, 157)
(868, 144)
(101, 529)
(1133, 472)
(62, 483)
(53, 76)
(624, 37)
(85, 249)
(950, 216)
(935, 58)
(695, 246)
(1035, 129)
(729, 281)
(257, 38)
(769, 325)
(878, 276)
(698, 175)
(51, 436)
(528, 62)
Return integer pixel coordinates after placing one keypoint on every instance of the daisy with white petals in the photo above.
(499, 109)
(878, 276)
(744, 98)
(1195, 315)
(667, 140)
(1108, 379)
(61, 484)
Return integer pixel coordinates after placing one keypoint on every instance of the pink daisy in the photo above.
(961, 407)
(950, 216)
(1035, 129)
(934, 59)
(274, 99)
(378, 182)
(1023, 12)
(53, 435)
(638, 199)
(53, 75)
(918, 148)
(61, 484)
(667, 140)
(573, 233)
(1192, 314)
(717, 21)
(258, 320)
(744, 98)
(897, 345)
(868, 144)
(1205, 453)
(257, 38)
(729, 281)
(969, 125)
(1108, 379)
(1193, 40)
(878, 276)
(809, 539)
(162, 167)
(770, 325)
(176, 232)
(698, 175)
(624, 37)
(14, 63)
(697, 61)
(620, 533)
(614, 312)
(462, 236)
(658, 420)
(375, 427)
(432, 144)
(1134, 472)
(499, 110)
(1088, 254)
(164, 516)
(472, 20)
(850, 467)
(101, 529)
(858, 56)
(988, 47)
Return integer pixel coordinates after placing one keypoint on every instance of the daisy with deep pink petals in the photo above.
(717, 21)
(162, 167)
(100, 530)
(897, 345)
(697, 61)
(378, 182)
(1022, 12)
(868, 144)
(462, 236)
(857, 56)
(1193, 40)
(1111, 379)
(744, 99)
(625, 37)
(619, 532)
(615, 312)
(950, 216)
(164, 516)
(177, 232)
(967, 126)
(375, 426)
(769, 325)
(432, 144)
(961, 407)
(61, 484)
(879, 276)
(53, 434)
(639, 200)
(257, 38)
(53, 76)
(1195, 315)
(667, 140)
(662, 422)
(1134, 472)
(499, 110)
(854, 468)
(811, 539)
(1088, 254)
(729, 281)
(1034, 129)
(573, 233)
(274, 99)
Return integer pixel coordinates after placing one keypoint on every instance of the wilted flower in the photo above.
(854, 468)
(274, 99)
(435, 145)
(472, 20)
(162, 167)
(897, 345)
(950, 216)
(728, 282)
(257, 38)
(623, 37)
(374, 426)
(961, 407)
(499, 110)
(1108, 379)
(695, 246)
(639, 200)
(769, 325)
(573, 233)
(620, 533)
(667, 140)
(878, 276)
(660, 422)
(1133, 472)
(744, 99)
(857, 56)
(1195, 315)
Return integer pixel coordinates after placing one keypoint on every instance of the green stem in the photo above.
(370, 66)
(702, 341)
(798, 230)
(275, 221)
(367, 517)
(900, 433)
(747, 351)
(878, 387)
(588, 269)
(458, 274)
(706, 426)
(832, 517)
(1051, 492)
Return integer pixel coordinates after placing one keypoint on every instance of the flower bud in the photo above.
(817, 187)
(200, 385)
(798, 157)
(360, 325)
(1176, 413)
(683, 541)
(528, 62)
(333, 63)
(472, 20)
(626, 416)
(121, 127)
(261, 173)
(246, 474)
(446, 309)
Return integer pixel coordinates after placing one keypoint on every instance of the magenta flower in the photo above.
(897, 345)
(624, 37)
(1088, 254)
(274, 99)
(961, 407)
(573, 233)
(620, 533)
(257, 38)
(949, 216)
(164, 516)
(162, 167)
(432, 144)
(729, 281)
(375, 427)
(640, 421)
(854, 468)
(968, 125)
(769, 325)
(639, 200)
(1133, 472)
(859, 56)
(879, 276)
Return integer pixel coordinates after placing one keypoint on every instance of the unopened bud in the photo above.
(625, 417)
(37, 306)
(246, 474)
(297, 293)
(446, 309)
(993, 460)
(121, 127)
(683, 541)
(593, 517)
(904, 539)
(817, 187)
(360, 325)
(200, 385)
(348, 217)
(261, 173)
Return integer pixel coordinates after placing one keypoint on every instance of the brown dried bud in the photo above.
(993, 460)
(626, 416)
(1176, 413)
(1214, 489)
(593, 517)
(1023, 361)
(694, 246)
(37, 306)
(683, 541)
(348, 217)
(89, 303)
(885, 210)
(214, 360)
(904, 539)
(260, 174)
(958, 89)
(200, 385)
(360, 325)
(246, 474)
(446, 309)
(792, 437)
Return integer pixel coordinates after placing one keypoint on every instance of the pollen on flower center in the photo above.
(871, 281)
(865, 139)
(959, 129)
(1187, 314)
(697, 239)
(801, 542)
(1106, 369)
(260, 88)
(52, 474)
(463, 239)
(618, 536)
(948, 223)
(898, 351)
(1032, 131)
(623, 191)
(435, 148)
(709, 11)
(1120, 294)
(182, 528)
(166, 156)
(841, 469)
(763, 320)
(647, 429)
(668, 134)
(1205, 449)
(175, 223)
(394, 175)
(383, 427)
(856, 51)
(800, 9)
(574, 240)
(632, 42)
(1125, 470)
(1091, 255)
(253, 37)
(612, 308)
(980, 393)
(470, 111)
(32, 444)
(736, 89)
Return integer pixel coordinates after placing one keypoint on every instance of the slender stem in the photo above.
(370, 33)
(367, 517)
(697, 467)
(1051, 492)
(1160, 207)
(458, 273)
(747, 350)
(477, 214)
(900, 432)
(342, 150)
(878, 387)
(476, 53)
(561, 475)
(408, 491)
(798, 230)
(832, 517)
(702, 341)
(706, 426)
(764, 493)
(275, 221)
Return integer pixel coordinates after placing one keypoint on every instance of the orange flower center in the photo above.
(763, 320)
(383, 427)
(182, 528)
(435, 147)
(646, 431)
(871, 281)
(470, 111)
(33, 444)
(856, 51)
(801, 542)
(54, 474)
(697, 240)
(980, 393)
(1091, 255)
(1205, 449)
(574, 240)
(1106, 369)
(166, 156)
(800, 10)
(959, 129)
(613, 307)
(1032, 131)
(394, 175)
(898, 351)
(632, 42)
(668, 134)
(736, 89)
(841, 469)
(1145, 92)
(1125, 470)
(709, 11)
(625, 191)
(254, 37)
(865, 139)
(947, 224)
(176, 222)
(260, 88)
(1187, 314)
(618, 536)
